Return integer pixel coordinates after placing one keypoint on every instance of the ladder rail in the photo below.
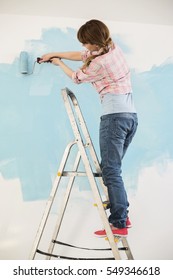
(86, 134)
(128, 252)
(50, 202)
(90, 175)
(68, 93)
(64, 205)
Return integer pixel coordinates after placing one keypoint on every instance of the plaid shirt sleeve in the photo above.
(92, 73)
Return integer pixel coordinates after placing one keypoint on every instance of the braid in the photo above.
(104, 49)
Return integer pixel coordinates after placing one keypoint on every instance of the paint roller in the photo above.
(23, 64)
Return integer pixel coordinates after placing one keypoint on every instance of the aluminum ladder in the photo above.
(86, 153)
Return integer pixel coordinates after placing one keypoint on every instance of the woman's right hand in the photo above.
(46, 57)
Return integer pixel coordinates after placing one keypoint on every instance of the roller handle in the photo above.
(39, 58)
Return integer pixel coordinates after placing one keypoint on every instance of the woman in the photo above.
(106, 68)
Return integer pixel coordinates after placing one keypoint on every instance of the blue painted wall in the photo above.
(35, 128)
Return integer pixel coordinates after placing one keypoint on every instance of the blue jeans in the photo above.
(116, 133)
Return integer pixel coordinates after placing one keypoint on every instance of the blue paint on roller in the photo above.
(23, 62)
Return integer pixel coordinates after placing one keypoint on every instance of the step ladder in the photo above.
(86, 153)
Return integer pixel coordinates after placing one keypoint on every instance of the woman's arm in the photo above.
(76, 55)
(67, 70)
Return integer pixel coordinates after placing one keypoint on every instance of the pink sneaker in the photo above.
(128, 223)
(122, 232)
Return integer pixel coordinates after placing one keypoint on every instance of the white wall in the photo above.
(142, 11)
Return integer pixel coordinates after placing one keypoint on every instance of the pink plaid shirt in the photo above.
(109, 73)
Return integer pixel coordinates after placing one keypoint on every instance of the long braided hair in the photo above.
(95, 32)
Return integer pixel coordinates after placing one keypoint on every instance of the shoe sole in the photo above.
(115, 235)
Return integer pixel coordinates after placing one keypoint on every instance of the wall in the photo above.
(35, 131)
